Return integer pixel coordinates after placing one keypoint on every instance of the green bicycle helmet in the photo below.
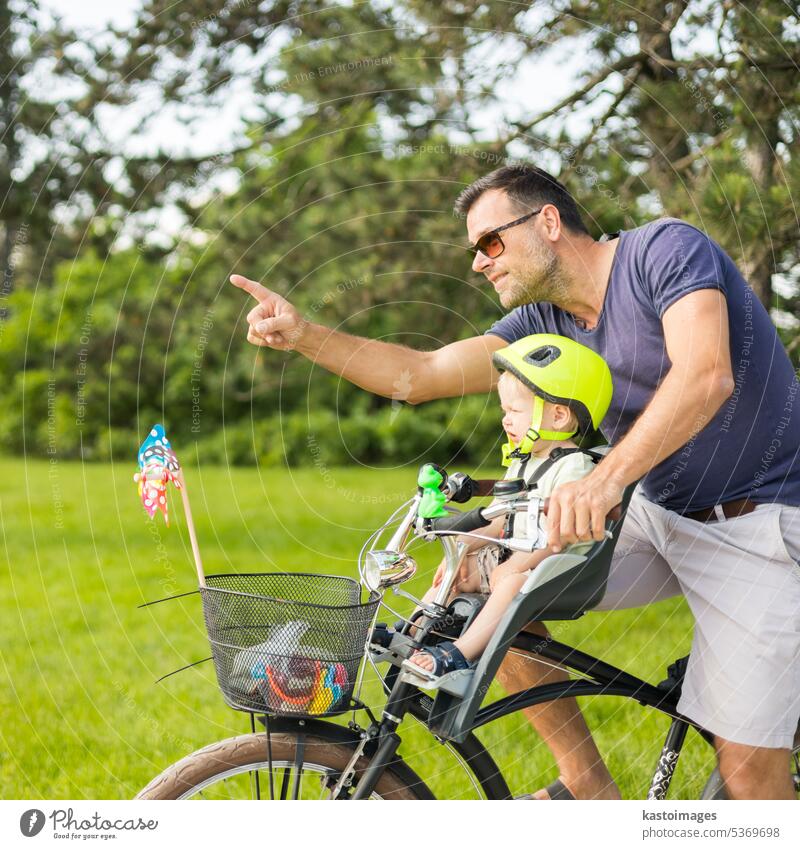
(562, 371)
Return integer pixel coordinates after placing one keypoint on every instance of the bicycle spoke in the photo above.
(298, 777)
(269, 760)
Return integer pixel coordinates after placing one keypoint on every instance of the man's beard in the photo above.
(541, 277)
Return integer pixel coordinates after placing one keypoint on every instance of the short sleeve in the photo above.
(676, 259)
(521, 322)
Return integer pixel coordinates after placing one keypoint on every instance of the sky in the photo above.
(538, 84)
(94, 13)
(145, 127)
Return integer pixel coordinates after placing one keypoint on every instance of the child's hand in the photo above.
(461, 576)
(464, 571)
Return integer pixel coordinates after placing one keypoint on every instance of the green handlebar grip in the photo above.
(433, 499)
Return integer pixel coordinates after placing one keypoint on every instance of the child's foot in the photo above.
(439, 660)
(424, 660)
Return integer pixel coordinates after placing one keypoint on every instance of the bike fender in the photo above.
(341, 734)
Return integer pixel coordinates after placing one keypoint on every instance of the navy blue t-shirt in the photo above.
(751, 447)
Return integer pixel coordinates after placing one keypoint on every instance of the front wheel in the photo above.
(303, 767)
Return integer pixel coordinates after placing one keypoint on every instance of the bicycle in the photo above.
(301, 754)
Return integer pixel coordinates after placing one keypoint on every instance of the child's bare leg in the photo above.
(469, 583)
(480, 632)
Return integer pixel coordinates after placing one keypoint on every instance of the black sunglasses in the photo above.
(490, 244)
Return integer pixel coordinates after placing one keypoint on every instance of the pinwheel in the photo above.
(158, 465)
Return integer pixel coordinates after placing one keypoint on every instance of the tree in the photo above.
(693, 110)
(359, 125)
(39, 168)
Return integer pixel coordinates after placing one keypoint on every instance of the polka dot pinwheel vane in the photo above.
(158, 465)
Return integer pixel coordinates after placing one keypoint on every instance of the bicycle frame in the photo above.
(564, 586)
(451, 717)
(567, 585)
(606, 680)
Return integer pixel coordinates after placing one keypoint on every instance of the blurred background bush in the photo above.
(318, 147)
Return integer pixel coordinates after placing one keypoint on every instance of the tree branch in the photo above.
(685, 161)
(630, 81)
(622, 64)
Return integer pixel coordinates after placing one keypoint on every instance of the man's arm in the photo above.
(402, 373)
(394, 371)
(697, 384)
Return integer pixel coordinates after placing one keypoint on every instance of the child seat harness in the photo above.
(555, 455)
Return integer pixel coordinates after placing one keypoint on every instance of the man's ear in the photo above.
(551, 222)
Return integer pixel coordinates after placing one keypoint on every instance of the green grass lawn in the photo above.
(82, 716)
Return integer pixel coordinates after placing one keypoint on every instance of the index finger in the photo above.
(554, 524)
(259, 292)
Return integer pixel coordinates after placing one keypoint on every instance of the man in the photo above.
(703, 412)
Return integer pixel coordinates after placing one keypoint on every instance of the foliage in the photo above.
(362, 124)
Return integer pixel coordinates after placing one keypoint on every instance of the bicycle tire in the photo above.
(246, 755)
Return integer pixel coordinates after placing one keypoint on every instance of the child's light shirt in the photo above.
(570, 468)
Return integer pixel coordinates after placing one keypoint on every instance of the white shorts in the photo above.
(741, 580)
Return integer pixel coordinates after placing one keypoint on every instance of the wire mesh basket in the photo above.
(285, 643)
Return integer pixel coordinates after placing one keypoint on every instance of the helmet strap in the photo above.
(535, 433)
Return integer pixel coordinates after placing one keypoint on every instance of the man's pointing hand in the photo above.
(273, 322)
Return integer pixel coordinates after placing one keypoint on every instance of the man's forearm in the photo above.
(394, 371)
(682, 406)
(380, 367)
(402, 373)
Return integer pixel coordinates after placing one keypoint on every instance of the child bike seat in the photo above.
(564, 586)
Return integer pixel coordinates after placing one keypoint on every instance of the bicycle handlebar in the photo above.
(482, 516)
(613, 514)
(461, 488)
(461, 523)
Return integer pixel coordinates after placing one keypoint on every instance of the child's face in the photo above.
(517, 404)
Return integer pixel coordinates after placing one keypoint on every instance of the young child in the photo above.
(550, 388)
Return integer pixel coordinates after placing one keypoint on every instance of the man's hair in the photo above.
(528, 188)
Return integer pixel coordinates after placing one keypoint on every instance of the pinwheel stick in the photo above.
(192, 534)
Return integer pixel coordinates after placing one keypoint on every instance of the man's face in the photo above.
(527, 270)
